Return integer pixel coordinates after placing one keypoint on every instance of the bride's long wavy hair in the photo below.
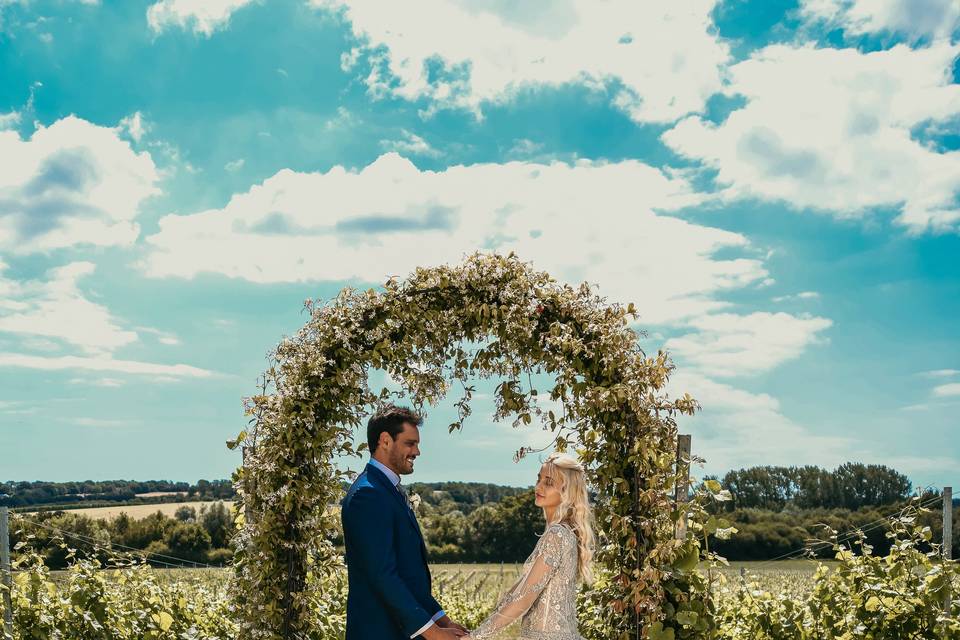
(574, 509)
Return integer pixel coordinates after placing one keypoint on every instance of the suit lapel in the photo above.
(384, 481)
(392, 490)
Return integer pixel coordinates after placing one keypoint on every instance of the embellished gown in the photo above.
(545, 596)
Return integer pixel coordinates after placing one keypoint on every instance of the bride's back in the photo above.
(554, 614)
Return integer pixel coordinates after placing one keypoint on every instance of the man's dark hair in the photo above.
(390, 419)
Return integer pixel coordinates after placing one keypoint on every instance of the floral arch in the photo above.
(517, 321)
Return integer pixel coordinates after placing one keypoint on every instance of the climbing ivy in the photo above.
(494, 317)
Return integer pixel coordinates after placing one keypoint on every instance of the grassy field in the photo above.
(141, 510)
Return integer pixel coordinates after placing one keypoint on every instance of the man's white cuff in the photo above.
(433, 621)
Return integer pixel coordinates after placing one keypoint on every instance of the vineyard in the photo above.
(857, 595)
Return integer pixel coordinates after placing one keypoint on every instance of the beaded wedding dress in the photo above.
(545, 596)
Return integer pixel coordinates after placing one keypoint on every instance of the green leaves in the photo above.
(688, 560)
(657, 632)
(232, 444)
(899, 595)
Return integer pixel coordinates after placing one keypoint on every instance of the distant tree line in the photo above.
(763, 534)
(202, 536)
(461, 496)
(90, 493)
(850, 486)
(776, 510)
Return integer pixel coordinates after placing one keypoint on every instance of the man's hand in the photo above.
(436, 632)
(446, 623)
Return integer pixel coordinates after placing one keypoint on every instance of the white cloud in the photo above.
(163, 337)
(941, 373)
(72, 183)
(57, 308)
(9, 120)
(14, 407)
(55, 316)
(730, 345)
(99, 422)
(659, 59)
(913, 18)
(202, 16)
(135, 125)
(410, 144)
(343, 120)
(235, 165)
(738, 428)
(101, 363)
(524, 147)
(803, 295)
(591, 221)
(98, 382)
(830, 130)
(947, 390)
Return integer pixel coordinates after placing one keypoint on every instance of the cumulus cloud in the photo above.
(9, 120)
(72, 183)
(739, 428)
(202, 16)
(658, 59)
(56, 308)
(728, 344)
(830, 130)
(590, 221)
(912, 18)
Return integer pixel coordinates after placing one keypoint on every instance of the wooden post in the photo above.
(683, 480)
(247, 489)
(947, 540)
(5, 572)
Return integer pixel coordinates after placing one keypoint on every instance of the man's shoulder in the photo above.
(363, 487)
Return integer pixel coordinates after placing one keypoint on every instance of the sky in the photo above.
(774, 183)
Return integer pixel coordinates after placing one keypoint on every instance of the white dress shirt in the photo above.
(395, 479)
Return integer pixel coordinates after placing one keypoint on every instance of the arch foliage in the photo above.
(490, 317)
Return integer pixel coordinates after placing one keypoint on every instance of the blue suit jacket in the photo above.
(388, 576)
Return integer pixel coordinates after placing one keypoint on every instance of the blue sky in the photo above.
(774, 184)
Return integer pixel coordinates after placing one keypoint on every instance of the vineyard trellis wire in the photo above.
(846, 536)
(147, 556)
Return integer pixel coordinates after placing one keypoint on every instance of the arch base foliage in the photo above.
(490, 317)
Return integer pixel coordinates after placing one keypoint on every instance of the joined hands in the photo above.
(446, 629)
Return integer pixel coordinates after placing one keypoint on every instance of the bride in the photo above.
(545, 596)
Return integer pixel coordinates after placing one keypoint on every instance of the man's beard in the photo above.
(402, 465)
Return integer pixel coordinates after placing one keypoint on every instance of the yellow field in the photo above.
(137, 511)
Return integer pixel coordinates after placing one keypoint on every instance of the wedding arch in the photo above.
(492, 316)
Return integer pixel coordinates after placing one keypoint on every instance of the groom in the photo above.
(389, 580)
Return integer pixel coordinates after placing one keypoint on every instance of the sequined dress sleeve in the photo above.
(553, 553)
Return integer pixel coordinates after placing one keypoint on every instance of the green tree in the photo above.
(217, 519)
(185, 514)
(188, 540)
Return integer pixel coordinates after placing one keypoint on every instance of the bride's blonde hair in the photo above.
(574, 509)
